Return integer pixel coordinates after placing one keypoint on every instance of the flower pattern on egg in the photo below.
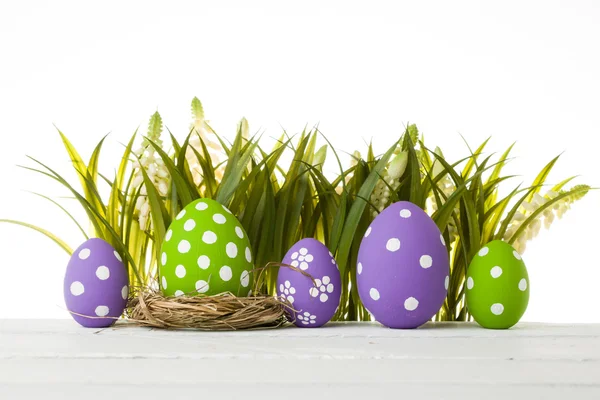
(287, 291)
(321, 288)
(302, 259)
(307, 318)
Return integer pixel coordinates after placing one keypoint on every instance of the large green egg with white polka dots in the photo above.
(497, 286)
(205, 250)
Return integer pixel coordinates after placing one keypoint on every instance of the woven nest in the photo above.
(222, 312)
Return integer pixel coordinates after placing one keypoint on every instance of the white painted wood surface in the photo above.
(57, 359)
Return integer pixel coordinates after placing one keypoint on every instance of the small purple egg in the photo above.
(402, 271)
(96, 284)
(317, 302)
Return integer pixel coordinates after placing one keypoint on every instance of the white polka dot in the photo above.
(313, 291)
(77, 288)
(180, 271)
(393, 244)
(84, 254)
(293, 290)
(203, 262)
(326, 279)
(309, 258)
(101, 311)
(290, 299)
(470, 283)
(303, 251)
(225, 273)
(164, 282)
(245, 279)
(497, 309)
(125, 292)
(248, 254)
(201, 286)
(219, 218)
(447, 282)
(442, 240)
(209, 237)
(189, 225)
(239, 232)
(368, 232)
(231, 250)
(426, 261)
(294, 263)
(294, 255)
(359, 268)
(178, 293)
(405, 213)
(180, 215)
(374, 293)
(227, 210)
(117, 255)
(330, 254)
(411, 304)
(201, 206)
(496, 272)
(523, 285)
(484, 251)
(102, 272)
(163, 258)
(184, 246)
(287, 284)
(303, 266)
(323, 297)
(169, 235)
(517, 255)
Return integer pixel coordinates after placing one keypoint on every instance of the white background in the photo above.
(517, 71)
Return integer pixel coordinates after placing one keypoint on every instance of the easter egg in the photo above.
(497, 286)
(205, 250)
(402, 271)
(315, 302)
(96, 284)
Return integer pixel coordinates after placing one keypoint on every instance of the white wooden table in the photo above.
(57, 359)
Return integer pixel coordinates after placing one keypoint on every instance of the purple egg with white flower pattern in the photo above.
(402, 272)
(96, 284)
(315, 302)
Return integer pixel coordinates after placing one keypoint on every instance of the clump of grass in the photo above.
(279, 204)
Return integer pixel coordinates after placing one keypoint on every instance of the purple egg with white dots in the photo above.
(402, 272)
(315, 302)
(96, 284)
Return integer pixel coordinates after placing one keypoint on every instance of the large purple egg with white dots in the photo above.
(96, 284)
(402, 272)
(316, 302)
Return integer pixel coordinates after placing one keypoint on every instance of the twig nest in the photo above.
(221, 312)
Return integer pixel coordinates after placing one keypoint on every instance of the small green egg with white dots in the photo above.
(497, 286)
(205, 250)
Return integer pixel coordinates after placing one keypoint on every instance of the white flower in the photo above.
(533, 229)
(201, 130)
(155, 169)
(302, 259)
(307, 318)
(397, 166)
(286, 291)
(322, 288)
(380, 197)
